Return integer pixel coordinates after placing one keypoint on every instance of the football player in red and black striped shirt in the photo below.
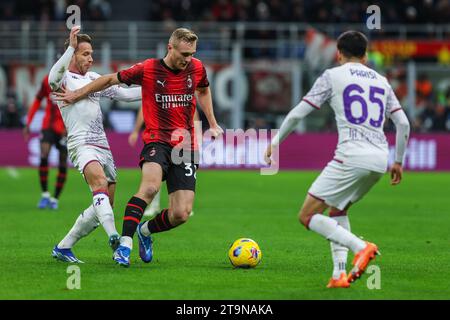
(170, 87)
(53, 132)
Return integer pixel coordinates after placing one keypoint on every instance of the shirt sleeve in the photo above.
(57, 72)
(122, 94)
(204, 82)
(392, 103)
(402, 135)
(133, 75)
(320, 91)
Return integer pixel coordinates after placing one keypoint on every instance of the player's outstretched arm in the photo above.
(291, 121)
(119, 93)
(99, 84)
(288, 125)
(205, 99)
(59, 68)
(319, 93)
(401, 141)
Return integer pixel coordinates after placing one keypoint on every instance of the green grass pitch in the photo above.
(409, 222)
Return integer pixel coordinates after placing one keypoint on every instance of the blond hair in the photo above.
(182, 34)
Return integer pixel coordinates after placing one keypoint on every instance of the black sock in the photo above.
(60, 180)
(133, 215)
(43, 174)
(160, 223)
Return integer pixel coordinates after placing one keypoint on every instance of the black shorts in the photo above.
(179, 172)
(53, 138)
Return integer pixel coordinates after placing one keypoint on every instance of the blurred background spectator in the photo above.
(312, 11)
(11, 113)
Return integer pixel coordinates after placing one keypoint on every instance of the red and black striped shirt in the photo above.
(168, 99)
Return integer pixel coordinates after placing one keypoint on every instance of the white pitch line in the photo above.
(13, 172)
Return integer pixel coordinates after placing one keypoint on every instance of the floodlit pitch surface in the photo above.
(410, 223)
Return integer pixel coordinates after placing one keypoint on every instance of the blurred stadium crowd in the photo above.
(432, 102)
(52, 10)
(320, 11)
(312, 11)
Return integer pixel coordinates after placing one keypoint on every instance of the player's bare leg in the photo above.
(150, 182)
(181, 202)
(310, 207)
(155, 207)
(112, 192)
(43, 175)
(179, 211)
(180, 207)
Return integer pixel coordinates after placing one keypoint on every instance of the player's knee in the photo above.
(304, 217)
(149, 192)
(302, 220)
(181, 214)
(99, 182)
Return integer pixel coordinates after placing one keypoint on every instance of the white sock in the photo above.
(339, 253)
(156, 200)
(126, 242)
(330, 229)
(85, 224)
(144, 229)
(154, 207)
(46, 194)
(104, 212)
